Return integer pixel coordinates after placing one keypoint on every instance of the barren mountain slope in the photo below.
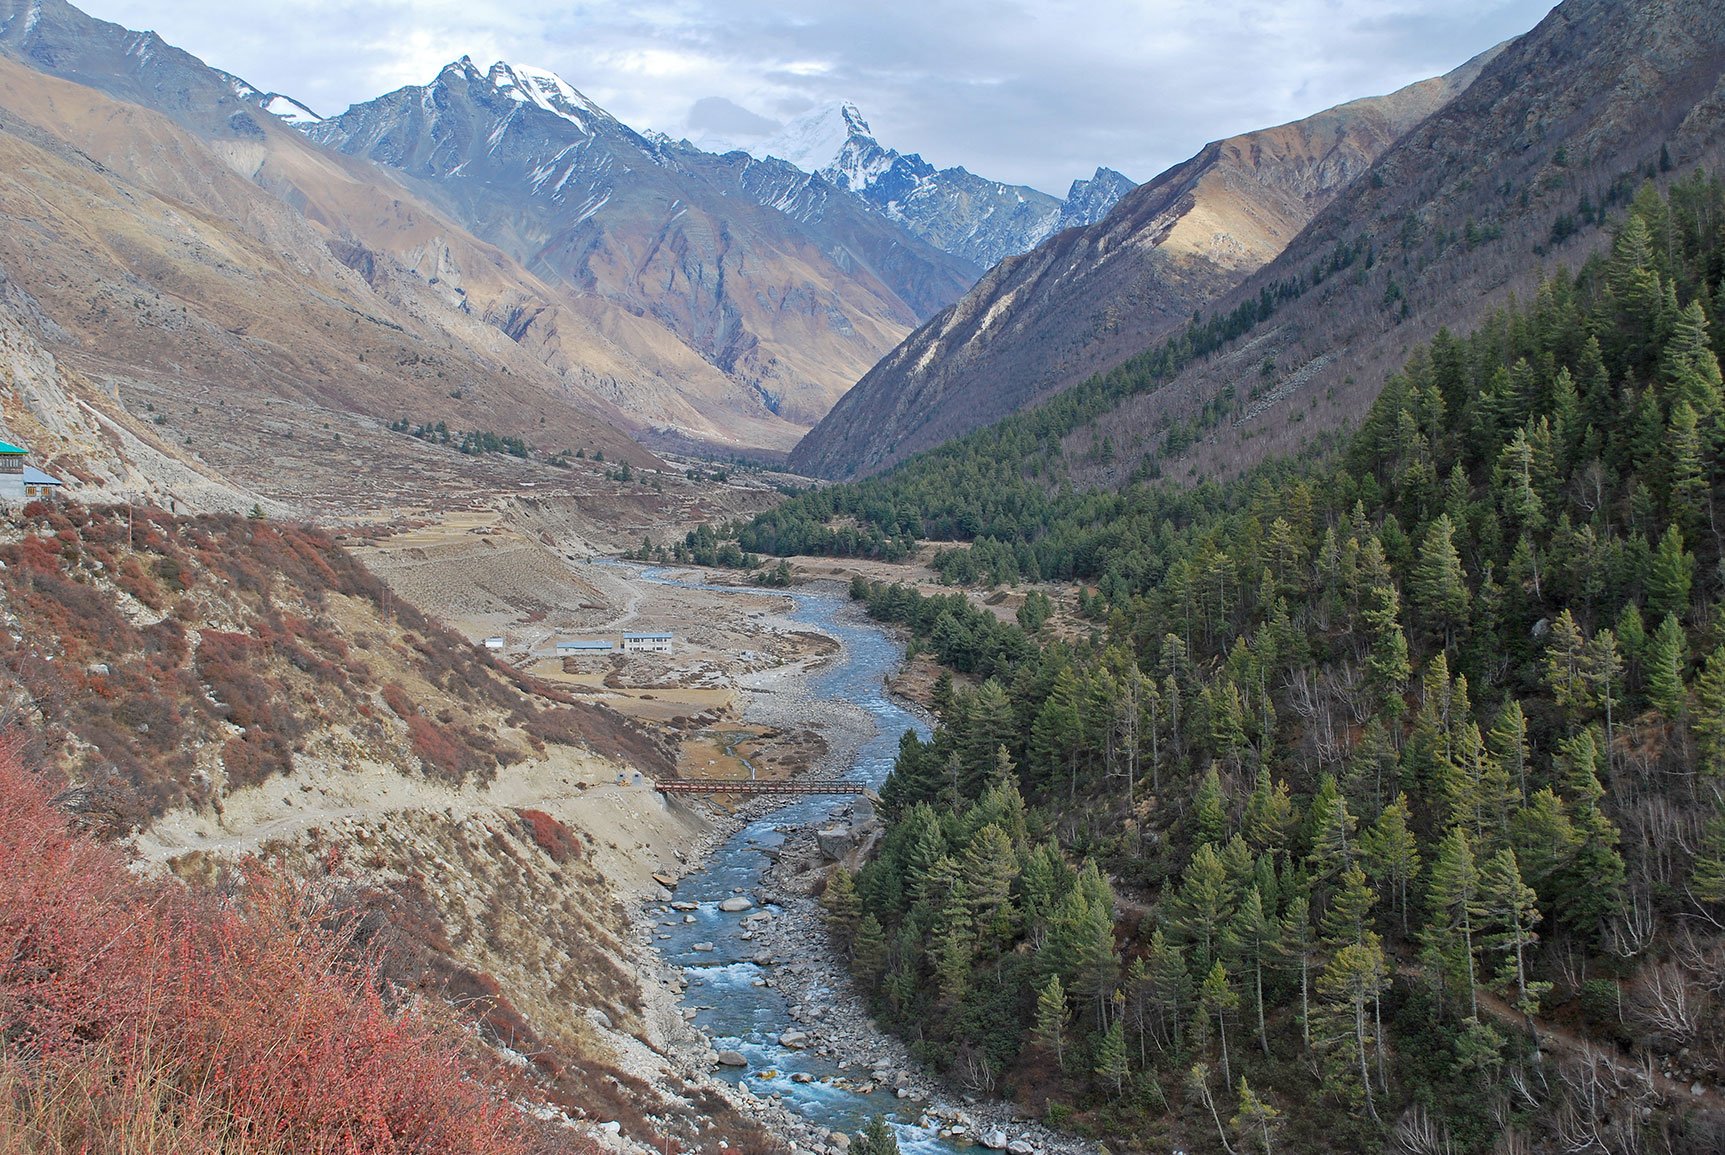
(792, 306)
(1509, 180)
(624, 361)
(216, 687)
(1087, 298)
(225, 323)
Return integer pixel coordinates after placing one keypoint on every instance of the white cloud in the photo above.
(1039, 91)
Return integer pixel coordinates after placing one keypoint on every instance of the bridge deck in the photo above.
(735, 786)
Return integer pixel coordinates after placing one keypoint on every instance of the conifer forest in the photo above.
(1382, 801)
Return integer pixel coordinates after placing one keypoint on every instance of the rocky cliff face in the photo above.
(1087, 298)
(790, 300)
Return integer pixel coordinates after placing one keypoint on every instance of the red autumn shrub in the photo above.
(396, 697)
(442, 751)
(552, 836)
(135, 1016)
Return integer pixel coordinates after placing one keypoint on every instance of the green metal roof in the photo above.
(8, 447)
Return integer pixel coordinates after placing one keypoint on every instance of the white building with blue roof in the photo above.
(20, 481)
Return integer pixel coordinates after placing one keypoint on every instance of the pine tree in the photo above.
(1707, 879)
(1111, 1065)
(1057, 737)
(1708, 721)
(1513, 485)
(1198, 1082)
(1204, 905)
(868, 950)
(1210, 808)
(1452, 897)
(1602, 666)
(1300, 946)
(1508, 910)
(1665, 662)
(1269, 814)
(1670, 574)
(1252, 938)
(1545, 840)
(1256, 1123)
(989, 867)
(951, 953)
(1691, 370)
(1171, 986)
(1349, 918)
(1439, 585)
(1691, 495)
(1332, 831)
(1565, 663)
(843, 911)
(876, 1138)
(1139, 989)
(1387, 660)
(1218, 997)
(1392, 854)
(1350, 987)
(1051, 1014)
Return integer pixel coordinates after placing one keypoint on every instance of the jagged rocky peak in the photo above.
(544, 89)
(955, 210)
(816, 140)
(1088, 201)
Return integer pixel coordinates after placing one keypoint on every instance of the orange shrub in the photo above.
(137, 1017)
(552, 836)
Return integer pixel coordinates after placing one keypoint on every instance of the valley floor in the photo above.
(731, 698)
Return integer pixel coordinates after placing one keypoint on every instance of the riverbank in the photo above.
(826, 1004)
(781, 940)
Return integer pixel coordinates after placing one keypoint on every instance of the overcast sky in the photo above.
(1031, 91)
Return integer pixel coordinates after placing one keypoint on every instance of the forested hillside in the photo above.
(1384, 801)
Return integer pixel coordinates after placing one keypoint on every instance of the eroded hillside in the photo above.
(225, 686)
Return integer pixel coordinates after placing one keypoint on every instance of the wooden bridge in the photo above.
(750, 786)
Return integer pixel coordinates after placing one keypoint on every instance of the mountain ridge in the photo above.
(1474, 205)
(1087, 298)
(981, 220)
(790, 306)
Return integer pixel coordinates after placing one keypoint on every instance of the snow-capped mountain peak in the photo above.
(544, 89)
(817, 139)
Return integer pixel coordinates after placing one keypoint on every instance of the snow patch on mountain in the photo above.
(283, 108)
(544, 89)
(817, 139)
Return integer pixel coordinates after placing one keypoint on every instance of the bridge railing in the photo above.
(736, 786)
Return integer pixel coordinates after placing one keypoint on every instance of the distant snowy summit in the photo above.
(977, 220)
(970, 216)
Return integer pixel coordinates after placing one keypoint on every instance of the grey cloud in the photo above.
(717, 115)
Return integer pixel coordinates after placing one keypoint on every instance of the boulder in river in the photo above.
(736, 904)
(795, 1040)
(731, 1059)
(836, 841)
(994, 1139)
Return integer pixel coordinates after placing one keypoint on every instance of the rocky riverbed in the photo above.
(768, 932)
